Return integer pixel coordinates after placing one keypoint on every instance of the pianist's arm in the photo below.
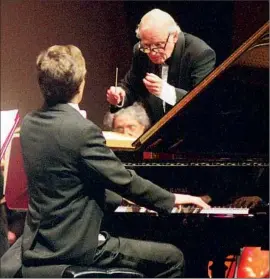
(102, 169)
(113, 200)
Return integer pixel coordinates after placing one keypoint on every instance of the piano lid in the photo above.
(226, 114)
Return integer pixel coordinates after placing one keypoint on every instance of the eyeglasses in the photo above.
(154, 48)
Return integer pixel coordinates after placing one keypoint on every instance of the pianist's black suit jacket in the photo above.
(68, 168)
(191, 61)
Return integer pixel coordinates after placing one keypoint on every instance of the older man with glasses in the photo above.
(166, 64)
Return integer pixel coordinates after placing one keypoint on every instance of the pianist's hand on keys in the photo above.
(181, 199)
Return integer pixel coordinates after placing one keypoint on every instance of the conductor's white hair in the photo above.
(159, 17)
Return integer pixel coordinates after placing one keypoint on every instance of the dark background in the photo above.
(105, 32)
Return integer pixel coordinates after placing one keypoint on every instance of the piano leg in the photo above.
(223, 266)
(196, 264)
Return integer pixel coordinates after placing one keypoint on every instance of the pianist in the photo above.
(132, 120)
(68, 167)
(166, 64)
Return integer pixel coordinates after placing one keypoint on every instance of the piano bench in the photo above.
(96, 272)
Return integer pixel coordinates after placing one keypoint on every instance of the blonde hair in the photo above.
(160, 18)
(61, 70)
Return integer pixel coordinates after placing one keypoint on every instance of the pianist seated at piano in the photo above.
(131, 121)
(69, 168)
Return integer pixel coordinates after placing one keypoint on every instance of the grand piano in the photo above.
(214, 142)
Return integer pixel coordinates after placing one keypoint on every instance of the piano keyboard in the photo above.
(237, 211)
(188, 210)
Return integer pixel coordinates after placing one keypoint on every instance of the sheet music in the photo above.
(9, 121)
(118, 140)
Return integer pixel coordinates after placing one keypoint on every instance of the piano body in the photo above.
(212, 142)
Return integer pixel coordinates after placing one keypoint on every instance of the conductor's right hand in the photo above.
(181, 199)
(115, 95)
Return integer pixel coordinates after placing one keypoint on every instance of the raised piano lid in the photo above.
(226, 114)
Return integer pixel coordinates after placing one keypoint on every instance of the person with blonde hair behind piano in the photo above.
(132, 121)
(166, 64)
(69, 168)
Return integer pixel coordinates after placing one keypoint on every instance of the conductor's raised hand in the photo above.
(153, 83)
(181, 199)
(115, 95)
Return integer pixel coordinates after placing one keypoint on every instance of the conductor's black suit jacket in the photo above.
(191, 61)
(68, 167)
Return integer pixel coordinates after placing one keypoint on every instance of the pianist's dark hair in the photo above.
(136, 111)
(61, 70)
